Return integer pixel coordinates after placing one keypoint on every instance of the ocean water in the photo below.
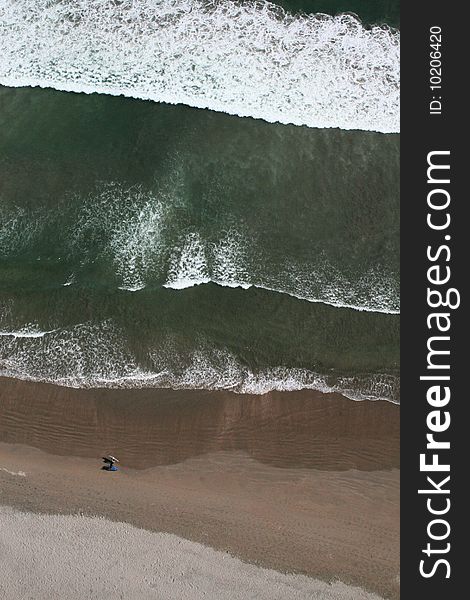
(147, 242)
(369, 11)
(244, 58)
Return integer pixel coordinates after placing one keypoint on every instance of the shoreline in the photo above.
(285, 429)
(298, 482)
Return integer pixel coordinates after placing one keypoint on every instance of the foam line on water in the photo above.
(251, 59)
(228, 264)
(185, 284)
(97, 355)
(137, 238)
(25, 333)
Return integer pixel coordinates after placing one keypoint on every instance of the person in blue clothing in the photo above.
(109, 463)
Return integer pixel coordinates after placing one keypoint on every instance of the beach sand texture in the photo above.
(121, 561)
(250, 487)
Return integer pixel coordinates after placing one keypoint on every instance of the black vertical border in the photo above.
(420, 134)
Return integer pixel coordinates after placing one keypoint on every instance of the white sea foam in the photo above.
(135, 237)
(28, 331)
(95, 355)
(18, 227)
(381, 302)
(132, 288)
(190, 267)
(233, 262)
(70, 280)
(230, 261)
(84, 352)
(249, 59)
(217, 369)
(124, 225)
(136, 242)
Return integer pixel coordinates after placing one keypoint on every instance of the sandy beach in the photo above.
(200, 236)
(301, 486)
(125, 562)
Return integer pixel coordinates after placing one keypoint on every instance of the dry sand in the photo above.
(50, 557)
(254, 482)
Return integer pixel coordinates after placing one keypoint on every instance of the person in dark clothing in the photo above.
(109, 463)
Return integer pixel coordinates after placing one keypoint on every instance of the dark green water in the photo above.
(370, 11)
(143, 243)
(104, 193)
(114, 191)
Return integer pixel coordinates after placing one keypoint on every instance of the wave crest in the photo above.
(249, 59)
(234, 262)
(136, 236)
(95, 355)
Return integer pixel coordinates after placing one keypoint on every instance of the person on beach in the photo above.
(109, 463)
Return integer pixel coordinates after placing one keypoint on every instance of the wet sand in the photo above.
(150, 427)
(299, 482)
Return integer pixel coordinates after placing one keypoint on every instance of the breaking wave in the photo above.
(25, 332)
(233, 263)
(250, 59)
(135, 236)
(95, 355)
